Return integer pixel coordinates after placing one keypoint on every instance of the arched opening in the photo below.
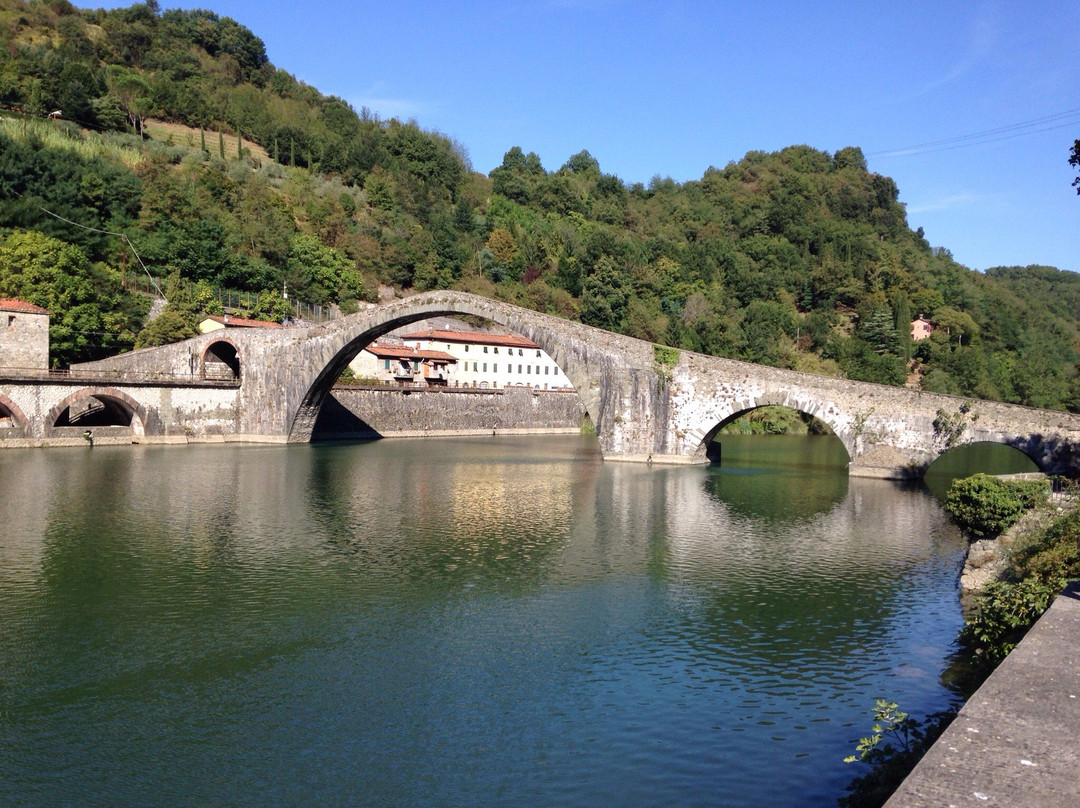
(775, 435)
(220, 362)
(106, 412)
(973, 458)
(13, 423)
(442, 354)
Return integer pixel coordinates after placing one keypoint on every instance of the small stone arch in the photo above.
(971, 451)
(13, 421)
(220, 361)
(780, 398)
(97, 407)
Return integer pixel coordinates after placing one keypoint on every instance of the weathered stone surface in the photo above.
(362, 412)
(642, 410)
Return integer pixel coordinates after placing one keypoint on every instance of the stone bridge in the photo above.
(648, 404)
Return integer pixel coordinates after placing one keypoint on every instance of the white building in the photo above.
(492, 361)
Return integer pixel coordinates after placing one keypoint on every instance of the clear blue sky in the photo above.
(670, 88)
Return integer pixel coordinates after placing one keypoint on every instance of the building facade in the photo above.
(392, 362)
(492, 361)
(24, 335)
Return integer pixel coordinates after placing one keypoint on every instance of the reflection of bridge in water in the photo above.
(647, 405)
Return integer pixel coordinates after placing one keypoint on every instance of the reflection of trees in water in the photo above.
(450, 513)
(775, 494)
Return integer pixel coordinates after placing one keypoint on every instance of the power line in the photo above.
(123, 238)
(1046, 123)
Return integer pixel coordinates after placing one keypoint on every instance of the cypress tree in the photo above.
(903, 324)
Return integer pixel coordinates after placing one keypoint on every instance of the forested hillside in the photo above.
(798, 258)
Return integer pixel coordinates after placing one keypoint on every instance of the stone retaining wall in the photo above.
(366, 412)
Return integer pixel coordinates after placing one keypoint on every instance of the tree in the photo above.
(903, 324)
(169, 326)
(92, 316)
(880, 332)
(604, 296)
(1074, 161)
(132, 91)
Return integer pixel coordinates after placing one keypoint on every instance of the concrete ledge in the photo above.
(658, 459)
(1017, 740)
(448, 433)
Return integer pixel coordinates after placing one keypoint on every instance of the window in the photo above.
(485, 367)
(519, 368)
(11, 320)
(537, 354)
(546, 370)
(386, 364)
(495, 366)
(485, 349)
(496, 350)
(466, 349)
(474, 367)
(519, 352)
(528, 369)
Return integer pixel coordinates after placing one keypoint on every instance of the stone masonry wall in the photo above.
(24, 340)
(352, 412)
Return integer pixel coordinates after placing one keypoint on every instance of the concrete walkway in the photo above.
(1017, 740)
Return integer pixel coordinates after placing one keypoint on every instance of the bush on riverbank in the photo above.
(987, 505)
(1039, 566)
(1038, 570)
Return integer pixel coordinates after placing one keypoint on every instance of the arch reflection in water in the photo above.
(495, 621)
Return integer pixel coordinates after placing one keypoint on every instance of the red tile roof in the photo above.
(11, 304)
(473, 338)
(229, 321)
(402, 352)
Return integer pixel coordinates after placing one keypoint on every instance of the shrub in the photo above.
(1037, 573)
(988, 505)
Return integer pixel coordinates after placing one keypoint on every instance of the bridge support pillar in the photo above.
(888, 463)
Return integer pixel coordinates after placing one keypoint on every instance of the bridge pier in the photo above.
(657, 459)
(888, 463)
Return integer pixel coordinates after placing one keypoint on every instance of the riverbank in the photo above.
(1014, 742)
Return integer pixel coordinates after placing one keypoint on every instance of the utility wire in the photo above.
(123, 237)
(1047, 123)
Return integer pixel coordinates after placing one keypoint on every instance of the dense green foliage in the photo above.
(987, 505)
(1037, 573)
(797, 258)
(92, 315)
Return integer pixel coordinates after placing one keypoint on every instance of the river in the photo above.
(457, 622)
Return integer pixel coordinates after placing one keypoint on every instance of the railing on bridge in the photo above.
(66, 375)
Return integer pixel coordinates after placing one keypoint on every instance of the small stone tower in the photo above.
(24, 336)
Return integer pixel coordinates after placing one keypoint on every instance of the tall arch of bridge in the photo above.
(334, 345)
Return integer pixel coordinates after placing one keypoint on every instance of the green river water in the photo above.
(458, 622)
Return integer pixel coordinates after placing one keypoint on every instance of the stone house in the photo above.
(493, 361)
(391, 363)
(24, 335)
